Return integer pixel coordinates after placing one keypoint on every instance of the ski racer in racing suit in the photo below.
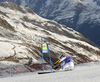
(64, 63)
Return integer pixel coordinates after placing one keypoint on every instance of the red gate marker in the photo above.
(97, 57)
(16, 69)
(11, 72)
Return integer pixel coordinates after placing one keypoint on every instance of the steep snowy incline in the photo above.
(87, 72)
(20, 36)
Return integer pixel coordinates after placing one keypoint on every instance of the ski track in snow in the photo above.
(87, 72)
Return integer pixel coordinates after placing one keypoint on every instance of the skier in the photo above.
(64, 63)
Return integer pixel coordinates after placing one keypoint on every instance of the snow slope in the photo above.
(87, 72)
(20, 39)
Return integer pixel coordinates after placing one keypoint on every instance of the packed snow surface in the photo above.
(87, 72)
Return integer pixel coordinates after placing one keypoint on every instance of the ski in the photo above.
(46, 72)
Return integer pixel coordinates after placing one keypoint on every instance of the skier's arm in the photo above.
(62, 59)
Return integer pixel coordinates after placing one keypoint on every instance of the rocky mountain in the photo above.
(20, 38)
(81, 15)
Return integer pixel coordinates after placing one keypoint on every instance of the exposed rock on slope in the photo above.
(20, 38)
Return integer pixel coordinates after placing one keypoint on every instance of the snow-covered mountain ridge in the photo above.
(20, 38)
(81, 15)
